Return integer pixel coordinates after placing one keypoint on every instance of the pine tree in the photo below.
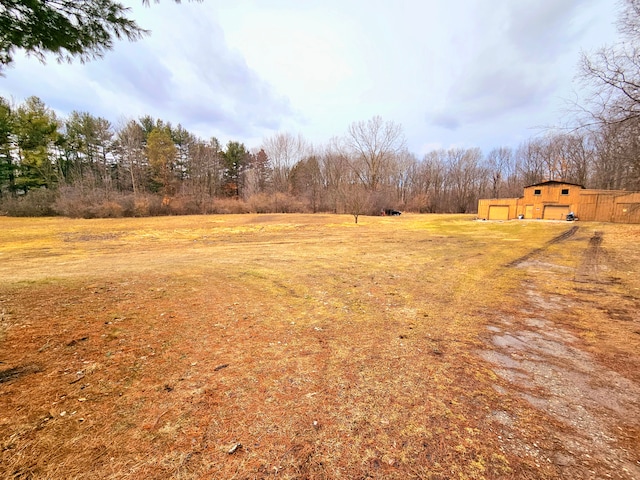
(82, 29)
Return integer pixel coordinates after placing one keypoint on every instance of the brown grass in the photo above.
(152, 348)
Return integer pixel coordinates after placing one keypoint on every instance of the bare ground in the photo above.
(248, 349)
(593, 410)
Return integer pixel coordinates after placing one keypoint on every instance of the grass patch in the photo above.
(325, 349)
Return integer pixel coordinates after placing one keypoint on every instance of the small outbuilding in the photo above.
(554, 200)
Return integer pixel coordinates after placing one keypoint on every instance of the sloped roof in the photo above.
(554, 182)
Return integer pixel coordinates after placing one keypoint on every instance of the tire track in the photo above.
(543, 363)
(557, 239)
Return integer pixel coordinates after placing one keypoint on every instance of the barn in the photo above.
(553, 200)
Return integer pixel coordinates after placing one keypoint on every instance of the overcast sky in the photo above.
(462, 73)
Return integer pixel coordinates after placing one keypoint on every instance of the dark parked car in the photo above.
(392, 212)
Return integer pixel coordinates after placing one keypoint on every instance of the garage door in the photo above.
(528, 211)
(555, 212)
(498, 212)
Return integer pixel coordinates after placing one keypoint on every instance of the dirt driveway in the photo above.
(542, 354)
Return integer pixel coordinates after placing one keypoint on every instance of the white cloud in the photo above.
(452, 72)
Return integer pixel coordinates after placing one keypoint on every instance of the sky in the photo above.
(453, 73)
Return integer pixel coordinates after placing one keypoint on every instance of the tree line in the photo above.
(84, 165)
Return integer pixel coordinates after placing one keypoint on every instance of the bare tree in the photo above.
(500, 168)
(577, 156)
(371, 147)
(565, 157)
(613, 76)
(432, 180)
(616, 164)
(284, 150)
(358, 200)
(403, 172)
(466, 176)
(204, 172)
(334, 166)
(130, 145)
(529, 162)
(613, 72)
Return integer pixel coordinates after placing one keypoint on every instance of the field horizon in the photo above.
(308, 346)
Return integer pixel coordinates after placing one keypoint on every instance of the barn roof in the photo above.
(554, 182)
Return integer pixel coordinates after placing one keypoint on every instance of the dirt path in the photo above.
(592, 410)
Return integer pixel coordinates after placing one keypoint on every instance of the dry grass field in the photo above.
(309, 347)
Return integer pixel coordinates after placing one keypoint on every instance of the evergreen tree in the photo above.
(236, 159)
(161, 152)
(36, 130)
(7, 165)
(82, 29)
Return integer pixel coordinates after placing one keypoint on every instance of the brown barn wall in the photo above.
(552, 195)
(483, 208)
(610, 206)
(588, 205)
(485, 203)
(627, 208)
(596, 206)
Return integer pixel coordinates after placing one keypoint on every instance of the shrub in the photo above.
(75, 202)
(187, 205)
(229, 205)
(276, 203)
(108, 209)
(420, 203)
(36, 203)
